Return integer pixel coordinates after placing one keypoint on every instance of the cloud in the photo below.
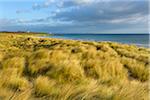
(82, 2)
(23, 11)
(61, 3)
(130, 20)
(7, 22)
(105, 11)
(47, 3)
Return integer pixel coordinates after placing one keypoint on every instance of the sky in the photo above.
(75, 16)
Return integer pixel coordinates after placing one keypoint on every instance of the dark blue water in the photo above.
(137, 39)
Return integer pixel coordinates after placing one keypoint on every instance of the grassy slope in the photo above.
(34, 68)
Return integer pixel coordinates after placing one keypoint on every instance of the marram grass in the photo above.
(33, 68)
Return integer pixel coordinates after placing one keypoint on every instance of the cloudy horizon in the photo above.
(75, 16)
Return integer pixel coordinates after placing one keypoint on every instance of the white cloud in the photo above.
(45, 4)
(7, 22)
(48, 2)
(134, 19)
(84, 1)
(22, 11)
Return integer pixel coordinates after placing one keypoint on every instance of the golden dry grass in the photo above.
(33, 68)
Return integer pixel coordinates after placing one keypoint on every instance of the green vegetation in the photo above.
(33, 68)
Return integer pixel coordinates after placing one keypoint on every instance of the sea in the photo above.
(141, 40)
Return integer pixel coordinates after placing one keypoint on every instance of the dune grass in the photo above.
(33, 68)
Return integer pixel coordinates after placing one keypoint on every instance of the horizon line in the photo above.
(73, 32)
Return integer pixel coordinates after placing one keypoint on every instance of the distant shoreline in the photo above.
(56, 33)
(141, 40)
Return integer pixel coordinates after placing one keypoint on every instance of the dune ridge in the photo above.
(33, 68)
